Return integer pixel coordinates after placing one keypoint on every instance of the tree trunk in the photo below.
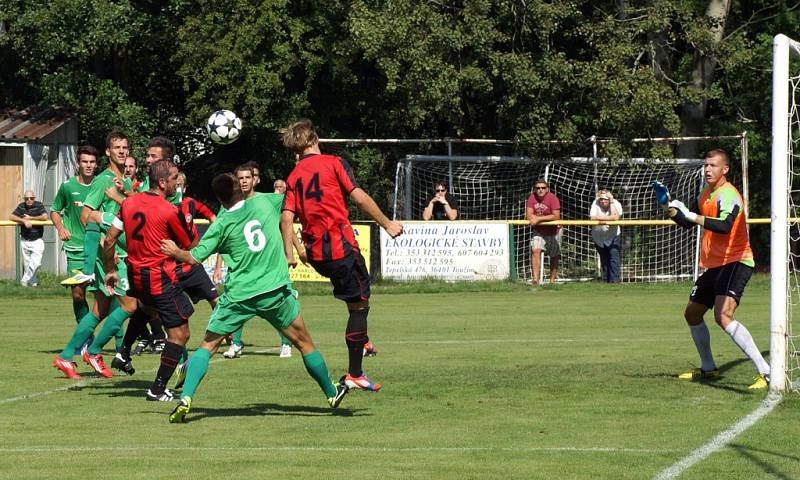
(693, 114)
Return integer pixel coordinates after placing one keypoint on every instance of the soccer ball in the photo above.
(223, 127)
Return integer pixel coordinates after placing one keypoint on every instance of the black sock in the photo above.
(355, 338)
(156, 330)
(136, 324)
(169, 360)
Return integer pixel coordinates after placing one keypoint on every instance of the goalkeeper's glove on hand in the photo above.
(662, 193)
(681, 215)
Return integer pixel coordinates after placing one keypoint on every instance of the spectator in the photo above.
(606, 237)
(442, 206)
(544, 206)
(279, 187)
(30, 236)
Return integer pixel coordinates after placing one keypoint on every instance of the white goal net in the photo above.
(497, 188)
(785, 215)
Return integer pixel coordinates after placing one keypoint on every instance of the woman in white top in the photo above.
(606, 238)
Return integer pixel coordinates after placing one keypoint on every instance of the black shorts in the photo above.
(728, 280)
(197, 285)
(348, 275)
(172, 306)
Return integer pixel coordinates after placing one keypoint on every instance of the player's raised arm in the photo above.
(367, 205)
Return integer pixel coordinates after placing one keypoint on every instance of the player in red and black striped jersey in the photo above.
(147, 218)
(193, 278)
(316, 193)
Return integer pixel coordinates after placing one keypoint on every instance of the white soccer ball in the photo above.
(224, 127)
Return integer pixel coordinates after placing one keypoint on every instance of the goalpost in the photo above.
(785, 227)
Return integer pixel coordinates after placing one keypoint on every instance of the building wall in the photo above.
(10, 197)
(12, 179)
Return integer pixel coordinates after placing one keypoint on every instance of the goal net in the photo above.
(497, 188)
(785, 224)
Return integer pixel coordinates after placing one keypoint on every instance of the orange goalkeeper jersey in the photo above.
(718, 249)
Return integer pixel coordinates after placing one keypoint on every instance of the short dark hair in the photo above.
(440, 183)
(166, 145)
(115, 135)
(87, 150)
(253, 164)
(159, 170)
(243, 167)
(225, 187)
(541, 180)
(718, 152)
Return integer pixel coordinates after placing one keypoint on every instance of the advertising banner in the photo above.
(306, 273)
(447, 251)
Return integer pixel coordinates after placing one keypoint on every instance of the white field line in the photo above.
(721, 440)
(153, 448)
(84, 382)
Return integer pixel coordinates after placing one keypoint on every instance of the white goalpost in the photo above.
(785, 228)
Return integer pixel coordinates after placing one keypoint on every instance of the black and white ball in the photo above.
(224, 127)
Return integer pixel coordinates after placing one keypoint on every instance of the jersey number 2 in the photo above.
(136, 235)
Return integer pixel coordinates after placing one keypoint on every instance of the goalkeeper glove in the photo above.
(662, 193)
(681, 215)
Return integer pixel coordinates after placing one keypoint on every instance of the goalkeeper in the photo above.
(728, 258)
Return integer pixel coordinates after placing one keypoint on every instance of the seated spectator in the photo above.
(607, 238)
(30, 236)
(442, 206)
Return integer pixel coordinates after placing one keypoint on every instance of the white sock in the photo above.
(741, 336)
(702, 340)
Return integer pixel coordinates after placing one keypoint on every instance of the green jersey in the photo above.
(145, 185)
(96, 199)
(174, 199)
(69, 202)
(250, 238)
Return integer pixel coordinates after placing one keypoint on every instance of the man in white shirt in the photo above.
(607, 238)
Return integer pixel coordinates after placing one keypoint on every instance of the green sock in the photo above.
(111, 326)
(284, 340)
(91, 245)
(315, 365)
(237, 336)
(80, 310)
(119, 338)
(83, 331)
(195, 371)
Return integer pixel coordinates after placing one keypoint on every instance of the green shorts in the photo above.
(74, 260)
(122, 287)
(279, 307)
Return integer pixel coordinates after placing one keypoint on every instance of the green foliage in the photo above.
(533, 71)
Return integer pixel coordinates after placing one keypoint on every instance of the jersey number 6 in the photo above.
(256, 241)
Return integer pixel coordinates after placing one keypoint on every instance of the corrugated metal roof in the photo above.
(32, 123)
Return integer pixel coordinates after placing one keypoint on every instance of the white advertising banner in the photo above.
(448, 251)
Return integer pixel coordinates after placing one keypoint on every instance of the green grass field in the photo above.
(480, 381)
